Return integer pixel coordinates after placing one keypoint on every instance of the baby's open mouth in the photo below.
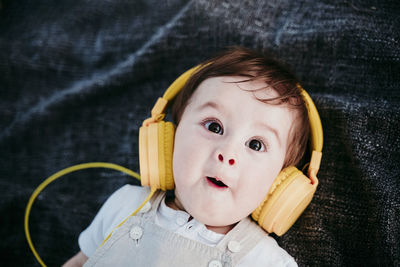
(216, 182)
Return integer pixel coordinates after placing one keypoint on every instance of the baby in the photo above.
(240, 120)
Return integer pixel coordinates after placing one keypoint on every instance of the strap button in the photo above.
(136, 232)
(234, 246)
(215, 263)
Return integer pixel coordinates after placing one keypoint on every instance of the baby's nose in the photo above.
(230, 161)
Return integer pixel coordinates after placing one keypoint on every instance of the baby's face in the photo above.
(229, 147)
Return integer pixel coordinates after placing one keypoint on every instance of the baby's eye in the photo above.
(214, 127)
(256, 145)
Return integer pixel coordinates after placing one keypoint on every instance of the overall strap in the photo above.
(149, 210)
(241, 239)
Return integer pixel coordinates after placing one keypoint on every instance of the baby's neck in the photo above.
(174, 204)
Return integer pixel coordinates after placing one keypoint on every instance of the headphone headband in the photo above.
(178, 84)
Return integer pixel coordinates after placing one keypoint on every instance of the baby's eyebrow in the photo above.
(209, 104)
(270, 129)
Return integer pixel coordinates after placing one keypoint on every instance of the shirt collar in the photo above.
(173, 219)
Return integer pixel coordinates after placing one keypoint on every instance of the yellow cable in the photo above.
(58, 175)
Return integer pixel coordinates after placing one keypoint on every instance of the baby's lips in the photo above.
(217, 181)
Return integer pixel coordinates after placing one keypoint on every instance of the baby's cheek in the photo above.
(260, 182)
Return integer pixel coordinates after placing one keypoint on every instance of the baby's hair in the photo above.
(252, 66)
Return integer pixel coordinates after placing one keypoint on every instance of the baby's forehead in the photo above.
(257, 88)
(237, 90)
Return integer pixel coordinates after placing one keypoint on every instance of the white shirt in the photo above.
(128, 198)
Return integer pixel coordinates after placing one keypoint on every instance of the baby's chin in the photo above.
(212, 216)
(217, 223)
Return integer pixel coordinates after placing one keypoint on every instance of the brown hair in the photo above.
(239, 61)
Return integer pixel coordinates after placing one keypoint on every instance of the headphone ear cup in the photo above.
(143, 156)
(166, 148)
(156, 143)
(288, 197)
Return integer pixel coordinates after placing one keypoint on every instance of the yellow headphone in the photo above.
(290, 193)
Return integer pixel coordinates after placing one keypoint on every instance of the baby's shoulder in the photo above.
(125, 199)
(130, 191)
(267, 252)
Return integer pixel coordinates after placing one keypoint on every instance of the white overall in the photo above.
(140, 242)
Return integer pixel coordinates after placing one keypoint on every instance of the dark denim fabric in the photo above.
(77, 78)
